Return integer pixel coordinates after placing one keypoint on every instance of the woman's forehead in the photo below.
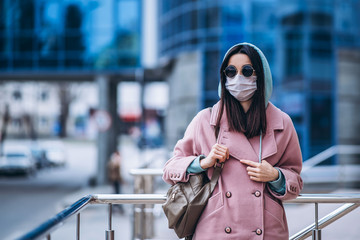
(239, 59)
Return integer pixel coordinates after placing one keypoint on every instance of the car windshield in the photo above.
(15, 155)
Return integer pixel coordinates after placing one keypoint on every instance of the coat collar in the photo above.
(234, 140)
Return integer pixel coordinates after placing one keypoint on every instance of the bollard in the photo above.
(143, 218)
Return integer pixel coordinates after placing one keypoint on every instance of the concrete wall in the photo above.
(348, 114)
(348, 96)
(185, 94)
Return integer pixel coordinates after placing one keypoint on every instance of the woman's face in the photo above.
(239, 60)
(241, 79)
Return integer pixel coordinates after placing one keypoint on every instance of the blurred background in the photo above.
(80, 79)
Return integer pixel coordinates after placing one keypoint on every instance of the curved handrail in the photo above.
(53, 223)
(328, 153)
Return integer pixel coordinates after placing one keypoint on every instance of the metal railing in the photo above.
(143, 200)
(352, 201)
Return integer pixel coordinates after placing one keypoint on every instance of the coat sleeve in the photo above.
(290, 163)
(185, 151)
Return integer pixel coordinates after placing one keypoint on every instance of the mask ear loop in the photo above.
(260, 147)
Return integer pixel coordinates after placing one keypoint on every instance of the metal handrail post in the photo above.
(316, 233)
(109, 234)
(78, 226)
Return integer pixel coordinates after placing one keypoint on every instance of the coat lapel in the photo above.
(239, 146)
(274, 123)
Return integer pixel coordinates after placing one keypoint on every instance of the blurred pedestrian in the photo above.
(5, 122)
(256, 143)
(114, 173)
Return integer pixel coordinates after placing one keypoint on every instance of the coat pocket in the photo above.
(274, 211)
(211, 216)
(214, 203)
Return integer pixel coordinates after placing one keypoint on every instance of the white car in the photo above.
(17, 161)
(55, 156)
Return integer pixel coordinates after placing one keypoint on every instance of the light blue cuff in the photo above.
(195, 167)
(279, 184)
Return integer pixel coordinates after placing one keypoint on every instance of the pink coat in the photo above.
(240, 208)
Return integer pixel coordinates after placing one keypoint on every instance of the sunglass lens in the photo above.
(247, 71)
(230, 71)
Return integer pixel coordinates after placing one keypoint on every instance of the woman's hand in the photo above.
(218, 152)
(261, 172)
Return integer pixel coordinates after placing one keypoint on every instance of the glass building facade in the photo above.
(299, 39)
(37, 35)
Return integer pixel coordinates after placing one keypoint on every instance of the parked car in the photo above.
(55, 156)
(17, 161)
(39, 156)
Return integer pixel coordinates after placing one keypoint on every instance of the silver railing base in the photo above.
(316, 234)
(109, 234)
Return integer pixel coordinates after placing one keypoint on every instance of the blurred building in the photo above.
(300, 40)
(57, 42)
(41, 35)
(111, 41)
(40, 103)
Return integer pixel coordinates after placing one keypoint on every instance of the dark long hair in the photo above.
(253, 122)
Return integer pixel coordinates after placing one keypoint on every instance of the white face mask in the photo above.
(242, 88)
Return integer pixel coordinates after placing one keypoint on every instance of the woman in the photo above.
(256, 142)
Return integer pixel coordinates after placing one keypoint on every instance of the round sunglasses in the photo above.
(246, 70)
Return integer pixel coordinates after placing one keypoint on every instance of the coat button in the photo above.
(228, 194)
(228, 230)
(258, 231)
(257, 194)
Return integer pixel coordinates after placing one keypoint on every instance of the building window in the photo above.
(293, 54)
(321, 108)
(211, 17)
(321, 20)
(321, 45)
(296, 19)
(17, 95)
(44, 95)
